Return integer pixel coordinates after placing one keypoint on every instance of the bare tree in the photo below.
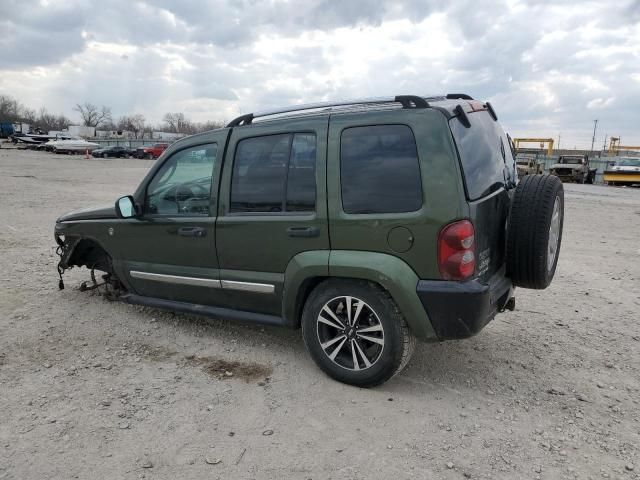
(92, 116)
(177, 123)
(48, 121)
(28, 115)
(134, 123)
(9, 109)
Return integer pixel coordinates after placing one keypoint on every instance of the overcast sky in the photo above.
(548, 66)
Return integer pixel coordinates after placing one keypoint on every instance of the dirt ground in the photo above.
(94, 389)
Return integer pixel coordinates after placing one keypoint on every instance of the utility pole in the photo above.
(593, 139)
(558, 147)
(604, 144)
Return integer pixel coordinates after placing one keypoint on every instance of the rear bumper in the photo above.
(462, 309)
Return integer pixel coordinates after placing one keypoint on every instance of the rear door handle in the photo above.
(303, 231)
(192, 232)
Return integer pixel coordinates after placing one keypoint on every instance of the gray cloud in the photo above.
(35, 35)
(547, 65)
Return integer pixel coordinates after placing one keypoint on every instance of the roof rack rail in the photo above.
(462, 116)
(407, 101)
(459, 96)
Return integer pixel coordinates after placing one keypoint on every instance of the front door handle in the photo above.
(303, 232)
(192, 232)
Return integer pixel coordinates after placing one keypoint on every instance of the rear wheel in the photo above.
(535, 231)
(355, 332)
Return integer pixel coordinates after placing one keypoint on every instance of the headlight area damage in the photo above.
(81, 252)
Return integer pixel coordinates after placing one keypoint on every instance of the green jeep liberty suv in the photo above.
(369, 223)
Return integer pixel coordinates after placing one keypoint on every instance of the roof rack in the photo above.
(407, 101)
(459, 96)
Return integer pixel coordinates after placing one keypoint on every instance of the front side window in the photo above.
(274, 174)
(380, 170)
(182, 186)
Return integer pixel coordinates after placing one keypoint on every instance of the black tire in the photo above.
(398, 342)
(591, 178)
(530, 261)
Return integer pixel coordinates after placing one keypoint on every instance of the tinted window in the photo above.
(379, 170)
(274, 173)
(182, 186)
(483, 154)
(301, 178)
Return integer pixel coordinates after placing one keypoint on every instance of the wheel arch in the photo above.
(85, 251)
(308, 269)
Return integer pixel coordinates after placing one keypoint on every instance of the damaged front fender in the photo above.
(66, 247)
(77, 251)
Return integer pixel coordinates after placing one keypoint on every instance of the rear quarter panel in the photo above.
(443, 191)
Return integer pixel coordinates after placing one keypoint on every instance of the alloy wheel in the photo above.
(554, 235)
(350, 333)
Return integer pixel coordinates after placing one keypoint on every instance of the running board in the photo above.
(204, 310)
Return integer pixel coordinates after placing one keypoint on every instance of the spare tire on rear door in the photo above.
(535, 231)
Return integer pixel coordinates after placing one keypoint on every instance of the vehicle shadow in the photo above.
(494, 360)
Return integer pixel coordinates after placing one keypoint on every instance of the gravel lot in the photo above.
(95, 389)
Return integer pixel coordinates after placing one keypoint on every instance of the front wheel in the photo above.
(355, 332)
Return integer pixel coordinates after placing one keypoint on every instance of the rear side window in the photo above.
(485, 157)
(274, 173)
(301, 177)
(379, 170)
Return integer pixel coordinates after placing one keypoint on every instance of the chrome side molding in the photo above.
(248, 286)
(161, 277)
(205, 282)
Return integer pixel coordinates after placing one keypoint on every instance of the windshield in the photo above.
(629, 162)
(571, 160)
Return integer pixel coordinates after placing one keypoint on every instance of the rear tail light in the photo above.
(457, 251)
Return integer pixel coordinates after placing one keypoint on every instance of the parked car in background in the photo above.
(573, 168)
(112, 152)
(528, 164)
(329, 217)
(626, 171)
(627, 164)
(150, 152)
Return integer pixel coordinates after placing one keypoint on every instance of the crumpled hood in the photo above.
(92, 213)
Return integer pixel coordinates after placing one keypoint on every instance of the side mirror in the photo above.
(125, 207)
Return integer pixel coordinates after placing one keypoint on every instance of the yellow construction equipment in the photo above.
(615, 147)
(541, 141)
